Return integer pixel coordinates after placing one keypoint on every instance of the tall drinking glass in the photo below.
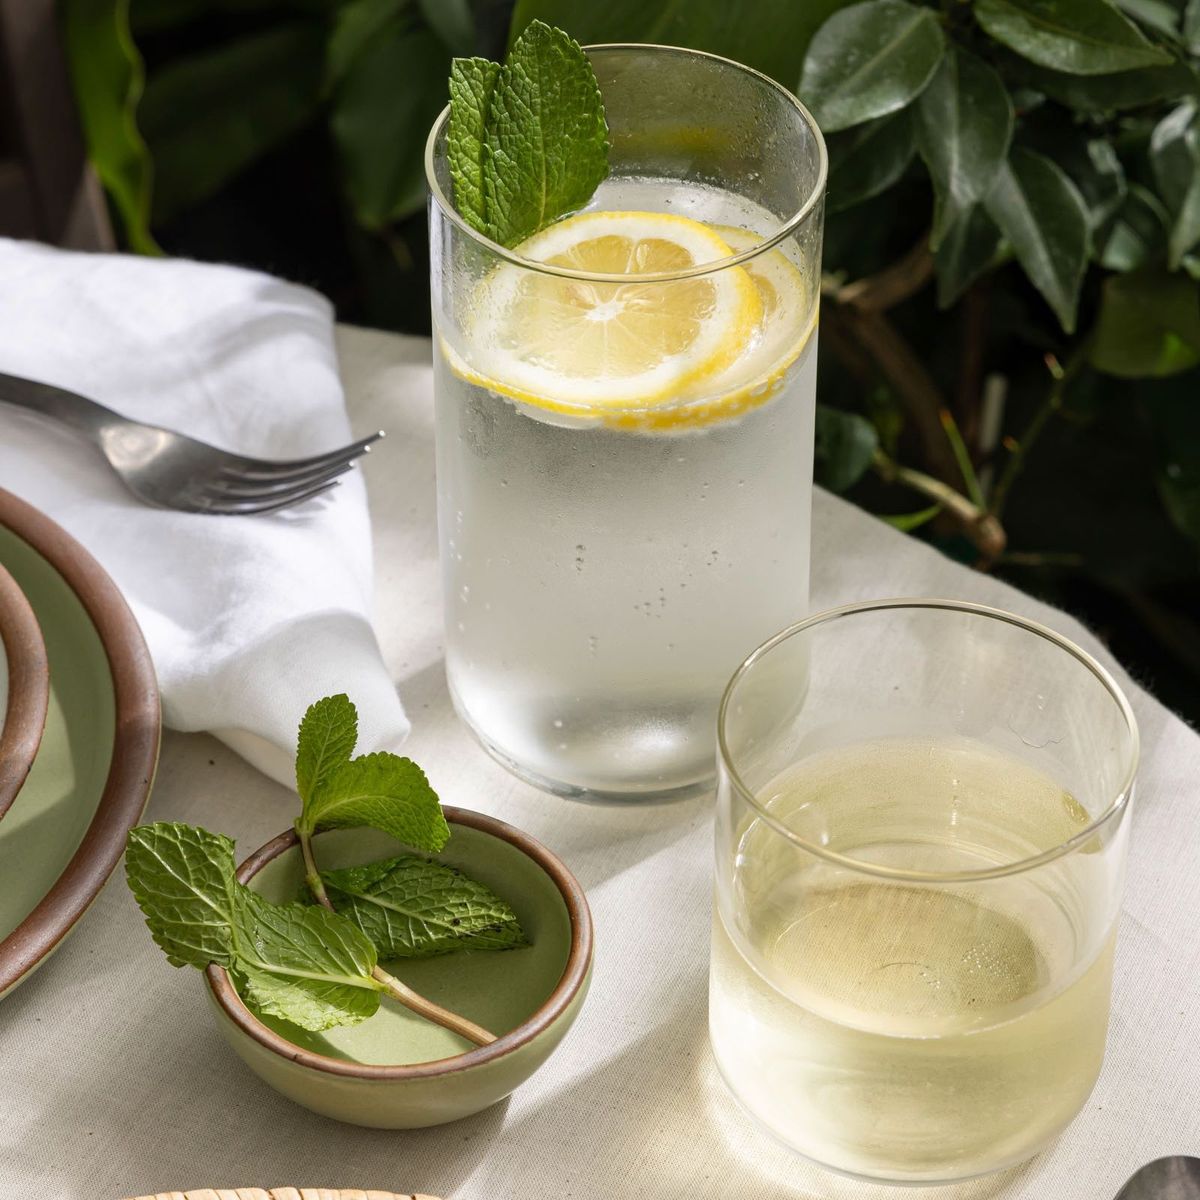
(920, 850)
(625, 429)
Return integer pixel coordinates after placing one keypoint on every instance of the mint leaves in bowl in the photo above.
(438, 982)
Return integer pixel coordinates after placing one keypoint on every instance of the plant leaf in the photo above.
(183, 880)
(907, 522)
(1175, 157)
(1108, 93)
(1158, 15)
(1041, 213)
(380, 128)
(868, 159)
(209, 116)
(328, 735)
(1148, 324)
(971, 247)
(1137, 235)
(1082, 37)
(845, 445)
(385, 792)
(357, 26)
(964, 122)
(415, 908)
(305, 965)
(108, 77)
(869, 60)
(545, 144)
(453, 23)
(1191, 27)
(769, 35)
(472, 82)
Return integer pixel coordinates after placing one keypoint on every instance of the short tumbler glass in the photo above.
(610, 555)
(921, 833)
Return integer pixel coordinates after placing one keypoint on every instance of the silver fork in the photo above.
(171, 470)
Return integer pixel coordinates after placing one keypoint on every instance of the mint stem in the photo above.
(392, 986)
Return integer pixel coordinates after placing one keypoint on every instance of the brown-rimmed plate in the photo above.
(24, 688)
(65, 831)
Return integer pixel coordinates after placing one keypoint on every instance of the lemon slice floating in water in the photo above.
(650, 355)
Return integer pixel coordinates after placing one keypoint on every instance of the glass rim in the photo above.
(788, 226)
(1112, 812)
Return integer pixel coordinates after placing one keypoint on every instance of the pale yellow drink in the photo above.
(902, 1031)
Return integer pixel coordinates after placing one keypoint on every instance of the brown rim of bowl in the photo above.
(24, 717)
(574, 973)
(136, 734)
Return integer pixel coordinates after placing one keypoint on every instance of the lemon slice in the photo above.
(789, 317)
(569, 344)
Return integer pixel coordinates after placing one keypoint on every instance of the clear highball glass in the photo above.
(609, 556)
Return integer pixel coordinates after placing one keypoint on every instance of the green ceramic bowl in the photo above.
(397, 1070)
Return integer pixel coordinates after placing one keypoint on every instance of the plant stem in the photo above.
(1061, 376)
(392, 986)
(962, 456)
(982, 527)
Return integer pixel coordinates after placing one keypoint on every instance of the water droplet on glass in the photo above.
(558, 723)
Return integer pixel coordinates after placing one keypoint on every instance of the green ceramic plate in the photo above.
(91, 777)
(397, 1070)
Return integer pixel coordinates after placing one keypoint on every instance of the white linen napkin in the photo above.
(248, 619)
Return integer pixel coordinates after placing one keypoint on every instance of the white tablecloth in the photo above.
(114, 1081)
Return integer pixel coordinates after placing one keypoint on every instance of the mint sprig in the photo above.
(313, 965)
(382, 791)
(527, 142)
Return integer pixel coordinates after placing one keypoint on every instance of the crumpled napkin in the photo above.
(248, 619)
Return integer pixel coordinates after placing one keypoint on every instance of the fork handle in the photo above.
(86, 415)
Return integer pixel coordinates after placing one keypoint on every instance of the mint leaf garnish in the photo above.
(183, 880)
(383, 791)
(328, 734)
(527, 142)
(472, 82)
(306, 965)
(414, 908)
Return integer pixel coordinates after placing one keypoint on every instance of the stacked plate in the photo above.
(79, 734)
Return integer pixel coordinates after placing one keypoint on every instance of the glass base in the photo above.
(882, 1178)
(573, 791)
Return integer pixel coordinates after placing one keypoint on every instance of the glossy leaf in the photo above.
(451, 20)
(108, 77)
(208, 116)
(1137, 235)
(380, 127)
(964, 122)
(1148, 325)
(1041, 213)
(869, 60)
(358, 25)
(868, 159)
(845, 446)
(1191, 26)
(769, 35)
(1110, 93)
(1175, 157)
(970, 248)
(1081, 37)
(1159, 15)
(415, 908)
